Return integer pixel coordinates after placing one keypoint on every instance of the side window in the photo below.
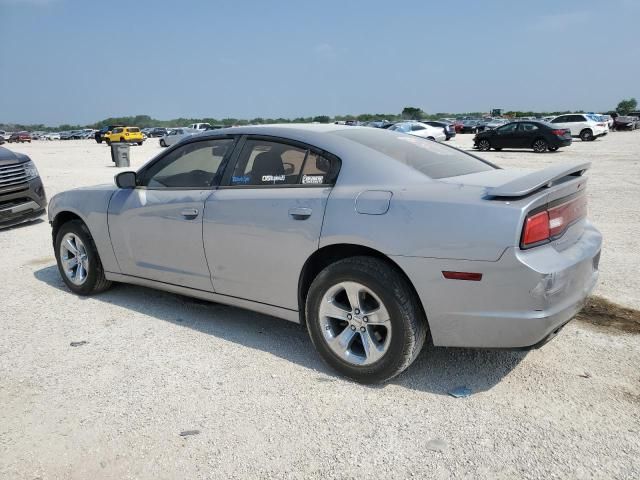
(194, 165)
(578, 118)
(416, 127)
(560, 119)
(529, 127)
(117, 130)
(317, 171)
(507, 129)
(263, 162)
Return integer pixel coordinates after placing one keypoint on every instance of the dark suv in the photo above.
(22, 196)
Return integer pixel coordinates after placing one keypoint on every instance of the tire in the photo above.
(553, 149)
(140, 143)
(586, 135)
(431, 138)
(163, 143)
(107, 141)
(121, 139)
(497, 149)
(94, 280)
(540, 145)
(484, 145)
(394, 343)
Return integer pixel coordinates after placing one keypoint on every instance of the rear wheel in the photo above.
(540, 146)
(139, 143)
(586, 135)
(484, 145)
(553, 149)
(364, 319)
(431, 138)
(163, 143)
(108, 142)
(78, 260)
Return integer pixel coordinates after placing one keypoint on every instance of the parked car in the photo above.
(581, 125)
(101, 135)
(125, 134)
(20, 137)
(22, 195)
(449, 129)
(2, 140)
(157, 132)
(175, 135)
(470, 126)
(539, 136)
(419, 129)
(52, 136)
(200, 126)
(388, 239)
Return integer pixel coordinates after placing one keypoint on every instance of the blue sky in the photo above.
(80, 61)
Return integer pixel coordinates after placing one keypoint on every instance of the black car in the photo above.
(449, 129)
(540, 136)
(157, 132)
(470, 126)
(22, 196)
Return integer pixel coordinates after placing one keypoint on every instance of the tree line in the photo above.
(408, 113)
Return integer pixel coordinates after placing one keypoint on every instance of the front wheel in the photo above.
(553, 149)
(484, 145)
(540, 146)
(78, 260)
(364, 319)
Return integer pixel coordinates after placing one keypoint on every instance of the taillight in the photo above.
(536, 229)
(560, 133)
(552, 222)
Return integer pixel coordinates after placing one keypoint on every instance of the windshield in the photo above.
(426, 156)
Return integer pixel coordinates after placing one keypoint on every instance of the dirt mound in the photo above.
(604, 313)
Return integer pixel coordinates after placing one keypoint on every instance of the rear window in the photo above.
(426, 156)
(134, 129)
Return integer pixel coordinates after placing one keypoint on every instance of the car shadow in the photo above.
(437, 370)
(25, 224)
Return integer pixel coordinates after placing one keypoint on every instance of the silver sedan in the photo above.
(375, 240)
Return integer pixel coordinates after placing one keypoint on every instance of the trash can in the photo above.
(120, 154)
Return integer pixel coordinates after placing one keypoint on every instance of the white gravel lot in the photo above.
(265, 406)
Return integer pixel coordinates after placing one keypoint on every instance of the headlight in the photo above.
(30, 170)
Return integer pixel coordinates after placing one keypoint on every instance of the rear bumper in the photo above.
(522, 299)
(23, 204)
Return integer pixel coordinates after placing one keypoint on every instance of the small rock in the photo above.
(585, 375)
(186, 433)
(78, 344)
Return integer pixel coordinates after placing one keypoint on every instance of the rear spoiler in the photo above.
(533, 181)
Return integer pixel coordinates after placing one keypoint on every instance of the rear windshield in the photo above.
(426, 156)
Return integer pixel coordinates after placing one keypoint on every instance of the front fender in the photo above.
(91, 205)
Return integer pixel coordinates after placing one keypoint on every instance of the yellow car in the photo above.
(124, 134)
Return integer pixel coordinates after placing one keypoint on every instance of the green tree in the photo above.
(412, 113)
(626, 106)
(321, 119)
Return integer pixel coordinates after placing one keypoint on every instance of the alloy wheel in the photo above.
(484, 145)
(74, 259)
(355, 323)
(539, 146)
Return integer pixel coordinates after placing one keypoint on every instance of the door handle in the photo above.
(189, 213)
(300, 213)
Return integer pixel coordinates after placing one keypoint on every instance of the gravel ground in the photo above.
(253, 400)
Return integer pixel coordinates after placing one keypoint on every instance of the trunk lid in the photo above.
(531, 192)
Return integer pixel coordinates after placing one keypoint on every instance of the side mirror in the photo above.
(126, 180)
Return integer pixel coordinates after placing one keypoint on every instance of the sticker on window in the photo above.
(313, 179)
(273, 178)
(240, 180)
